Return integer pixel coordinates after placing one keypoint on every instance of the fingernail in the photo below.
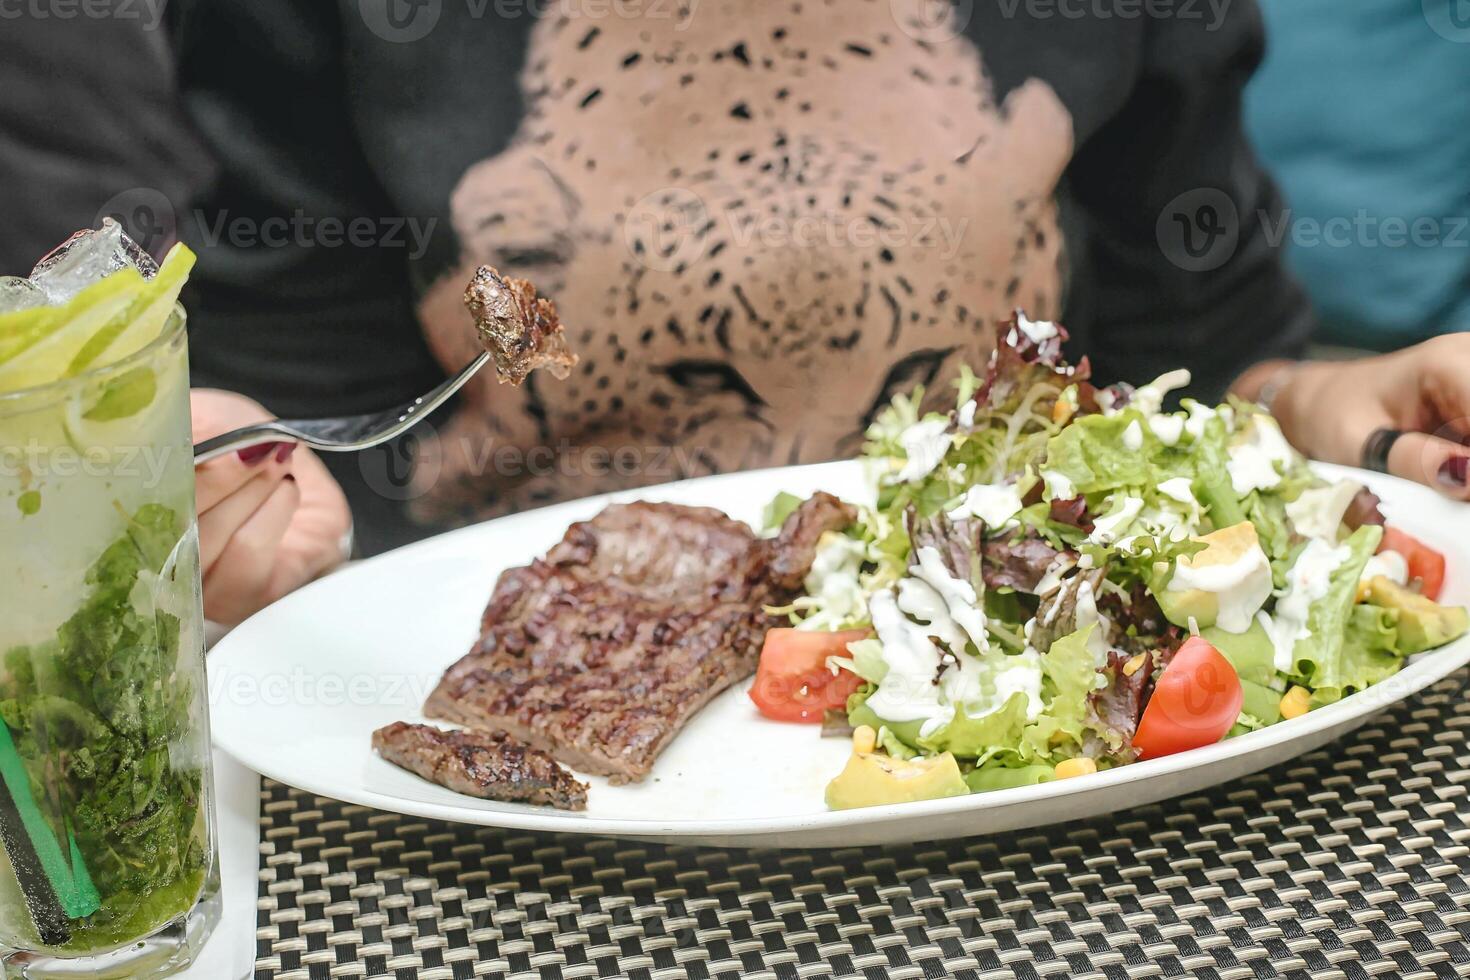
(284, 453)
(1452, 472)
(251, 455)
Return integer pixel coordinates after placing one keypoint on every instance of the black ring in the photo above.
(1376, 449)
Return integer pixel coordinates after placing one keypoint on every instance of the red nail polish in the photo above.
(1453, 472)
(251, 455)
(284, 453)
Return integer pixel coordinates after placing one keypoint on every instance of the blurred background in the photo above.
(1359, 110)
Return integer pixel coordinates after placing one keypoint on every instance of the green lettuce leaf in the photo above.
(1212, 478)
(965, 736)
(1070, 677)
(782, 506)
(1268, 513)
(867, 660)
(1370, 652)
(894, 745)
(996, 776)
(1317, 659)
(1091, 455)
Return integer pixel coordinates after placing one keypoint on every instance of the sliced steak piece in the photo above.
(796, 547)
(601, 651)
(520, 329)
(488, 765)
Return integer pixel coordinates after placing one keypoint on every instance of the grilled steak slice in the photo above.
(491, 766)
(796, 548)
(600, 652)
(520, 329)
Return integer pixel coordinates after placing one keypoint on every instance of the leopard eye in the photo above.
(919, 368)
(713, 378)
(534, 255)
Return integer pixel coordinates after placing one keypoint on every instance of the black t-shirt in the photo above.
(89, 128)
(759, 219)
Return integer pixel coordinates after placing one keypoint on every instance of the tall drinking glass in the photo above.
(106, 803)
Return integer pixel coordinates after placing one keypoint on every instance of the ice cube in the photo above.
(18, 294)
(86, 257)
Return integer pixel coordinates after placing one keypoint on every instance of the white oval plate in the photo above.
(297, 690)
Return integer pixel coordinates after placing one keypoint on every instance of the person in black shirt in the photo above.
(761, 220)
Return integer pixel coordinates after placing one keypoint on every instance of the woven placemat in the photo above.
(1348, 862)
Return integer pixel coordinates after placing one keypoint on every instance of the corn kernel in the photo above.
(1076, 767)
(1061, 411)
(1134, 663)
(864, 739)
(1295, 702)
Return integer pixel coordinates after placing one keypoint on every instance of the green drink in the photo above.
(106, 802)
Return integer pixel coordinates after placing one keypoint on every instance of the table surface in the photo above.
(1352, 861)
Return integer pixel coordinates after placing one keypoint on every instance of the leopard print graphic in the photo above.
(759, 220)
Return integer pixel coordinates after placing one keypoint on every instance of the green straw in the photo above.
(67, 873)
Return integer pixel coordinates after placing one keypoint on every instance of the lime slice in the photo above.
(38, 345)
(146, 317)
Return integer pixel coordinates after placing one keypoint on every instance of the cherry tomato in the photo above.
(793, 682)
(1425, 564)
(1195, 702)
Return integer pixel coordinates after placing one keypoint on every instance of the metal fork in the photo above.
(345, 434)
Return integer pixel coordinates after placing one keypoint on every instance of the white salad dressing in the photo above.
(966, 414)
(1051, 579)
(927, 681)
(1038, 331)
(1088, 615)
(921, 602)
(1150, 398)
(1122, 512)
(1022, 672)
(960, 600)
(994, 504)
(1252, 463)
(924, 443)
(1390, 564)
(1201, 416)
(908, 691)
(1308, 581)
(1174, 522)
(1241, 587)
(1058, 486)
(1133, 437)
(1167, 428)
(1318, 512)
(833, 582)
(1180, 490)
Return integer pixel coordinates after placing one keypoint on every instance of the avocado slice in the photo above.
(1423, 623)
(1224, 547)
(872, 779)
(1260, 702)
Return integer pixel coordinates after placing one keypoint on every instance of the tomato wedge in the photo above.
(793, 682)
(1425, 564)
(1195, 702)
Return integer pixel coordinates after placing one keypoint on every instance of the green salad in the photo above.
(1055, 578)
